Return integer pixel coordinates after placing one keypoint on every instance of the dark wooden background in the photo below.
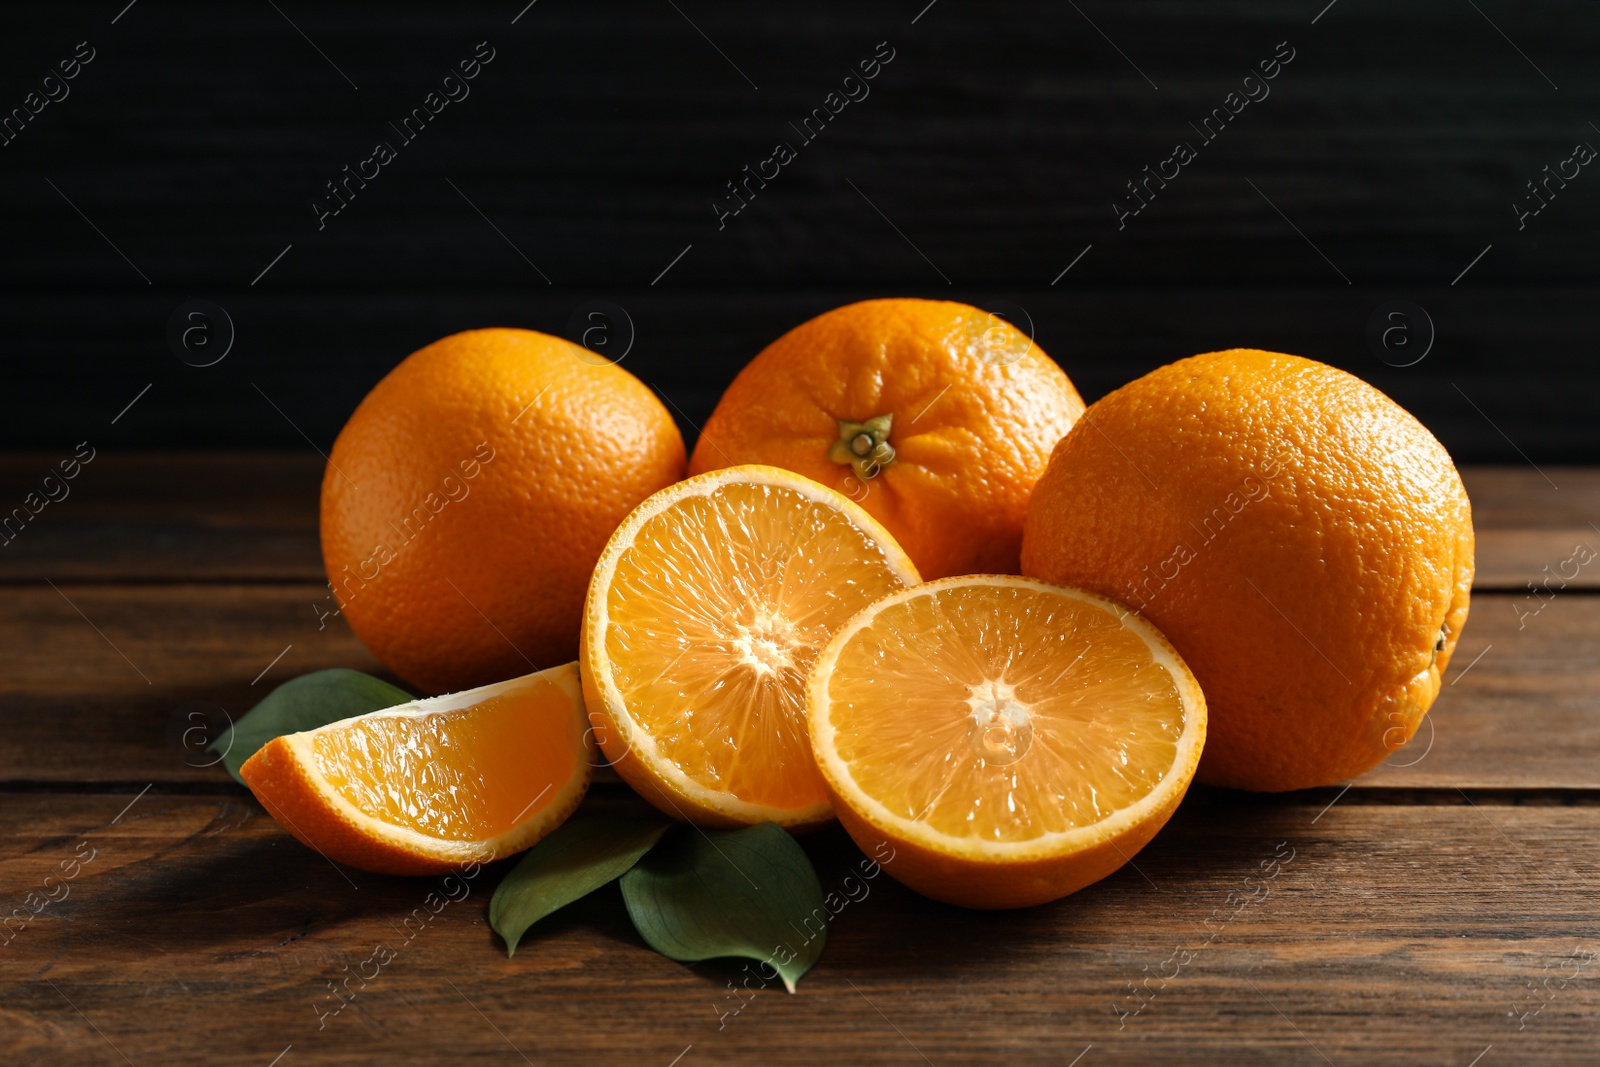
(599, 137)
(1437, 904)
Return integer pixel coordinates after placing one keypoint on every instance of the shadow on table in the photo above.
(260, 890)
(1215, 840)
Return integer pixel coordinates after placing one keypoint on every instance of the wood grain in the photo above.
(1440, 910)
(988, 157)
(1520, 497)
(1520, 705)
(163, 517)
(252, 517)
(180, 578)
(303, 360)
(1550, 560)
(96, 676)
(202, 934)
(90, 688)
(997, 139)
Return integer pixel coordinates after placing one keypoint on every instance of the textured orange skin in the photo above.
(1347, 517)
(993, 885)
(576, 444)
(971, 436)
(286, 791)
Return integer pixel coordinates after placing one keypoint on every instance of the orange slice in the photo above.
(426, 787)
(706, 611)
(996, 742)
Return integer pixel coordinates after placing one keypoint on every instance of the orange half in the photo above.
(1005, 741)
(428, 786)
(704, 616)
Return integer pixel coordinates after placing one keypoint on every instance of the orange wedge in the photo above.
(996, 742)
(705, 612)
(426, 787)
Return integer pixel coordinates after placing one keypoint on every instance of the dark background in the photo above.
(596, 142)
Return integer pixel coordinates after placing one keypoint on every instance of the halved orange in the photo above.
(705, 612)
(997, 742)
(428, 786)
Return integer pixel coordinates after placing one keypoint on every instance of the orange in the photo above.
(1302, 540)
(934, 416)
(705, 613)
(468, 497)
(425, 787)
(998, 742)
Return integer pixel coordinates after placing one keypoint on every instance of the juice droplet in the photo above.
(1000, 731)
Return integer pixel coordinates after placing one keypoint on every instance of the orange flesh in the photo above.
(718, 609)
(433, 773)
(1003, 713)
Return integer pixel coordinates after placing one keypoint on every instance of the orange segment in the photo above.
(426, 786)
(705, 614)
(1012, 741)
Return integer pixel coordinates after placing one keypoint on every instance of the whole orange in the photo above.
(935, 417)
(1303, 541)
(467, 499)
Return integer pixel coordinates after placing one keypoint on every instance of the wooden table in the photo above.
(1441, 909)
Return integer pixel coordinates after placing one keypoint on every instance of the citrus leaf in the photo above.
(751, 893)
(577, 858)
(304, 703)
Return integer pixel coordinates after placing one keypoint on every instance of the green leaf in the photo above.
(304, 703)
(750, 893)
(577, 858)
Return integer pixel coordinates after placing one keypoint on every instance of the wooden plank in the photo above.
(1520, 704)
(1522, 497)
(164, 516)
(1253, 931)
(1552, 559)
(90, 688)
(1536, 526)
(998, 139)
(252, 516)
(98, 676)
(329, 347)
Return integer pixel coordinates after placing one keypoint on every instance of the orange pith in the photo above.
(1001, 733)
(707, 611)
(434, 783)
